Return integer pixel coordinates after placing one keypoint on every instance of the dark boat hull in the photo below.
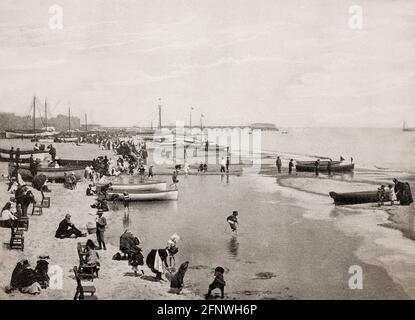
(56, 174)
(356, 197)
(323, 167)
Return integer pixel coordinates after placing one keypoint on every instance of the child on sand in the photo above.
(218, 283)
(233, 221)
(126, 199)
(392, 194)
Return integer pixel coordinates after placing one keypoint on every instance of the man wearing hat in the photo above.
(233, 221)
(66, 229)
(101, 224)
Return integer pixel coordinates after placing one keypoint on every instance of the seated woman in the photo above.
(92, 257)
(7, 219)
(25, 279)
(89, 190)
(42, 269)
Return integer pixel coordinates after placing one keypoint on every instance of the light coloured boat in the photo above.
(146, 195)
(145, 186)
(49, 172)
(24, 154)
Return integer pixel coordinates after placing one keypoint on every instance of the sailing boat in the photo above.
(30, 133)
(67, 137)
(406, 128)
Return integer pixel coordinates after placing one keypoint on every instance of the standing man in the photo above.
(11, 153)
(317, 167)
(279, 164)
(17, 158)
(290, 166)
(52, 152)
(222, 165)
(32, 166)
(329, 167)
(228, 162)
(101, 224)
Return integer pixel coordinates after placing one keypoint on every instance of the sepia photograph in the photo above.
(223, 151)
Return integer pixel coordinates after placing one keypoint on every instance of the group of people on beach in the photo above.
(398, 192)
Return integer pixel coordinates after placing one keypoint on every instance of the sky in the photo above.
(292, 63)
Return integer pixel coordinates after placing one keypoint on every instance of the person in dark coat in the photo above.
(218, 282)
(403, 192)
(177, 282)
(279, 164)
(329, 166)
(66, 229)
(52, 152)
(42, 269)
(157, 261)
(25, 279)
(11, 153)
(317, 167)
(32, 166)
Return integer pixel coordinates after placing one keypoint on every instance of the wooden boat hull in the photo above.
(56, 174)
(67, 139)
(356, 197)
(146, 195)
(24, 154)
(156, 186)
(27, 134)
(300, 167)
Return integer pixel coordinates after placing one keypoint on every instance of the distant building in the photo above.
(91, 127)
(264, 126)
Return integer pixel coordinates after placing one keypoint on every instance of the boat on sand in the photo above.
(156, 185)
(336, 166)
(50, 172)
(356, 197)
(145, 195)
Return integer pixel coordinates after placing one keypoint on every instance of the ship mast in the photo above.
(34, 115)
(46, 116)
(159, 113)
(69, 121)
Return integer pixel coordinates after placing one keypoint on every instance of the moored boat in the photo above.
(24, 154)
(28, 134)
(145, 186)
(336, 166)
(146, 195)
(356, 197)
(49, 172)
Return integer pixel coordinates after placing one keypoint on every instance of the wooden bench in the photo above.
(17, 240)
(22, 223)
(82, 289)
(38, 208)
(86, 271)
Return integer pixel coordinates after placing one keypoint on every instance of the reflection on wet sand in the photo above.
(126, 219)
(233, 246)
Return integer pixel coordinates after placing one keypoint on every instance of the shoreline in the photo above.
(385, 232)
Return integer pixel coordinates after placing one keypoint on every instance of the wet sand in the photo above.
(292, 242)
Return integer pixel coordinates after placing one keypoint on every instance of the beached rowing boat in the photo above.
(24, 154)
(50, 173)
(336, 166)
(146, 195)
(356, 197)
(144, 186)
